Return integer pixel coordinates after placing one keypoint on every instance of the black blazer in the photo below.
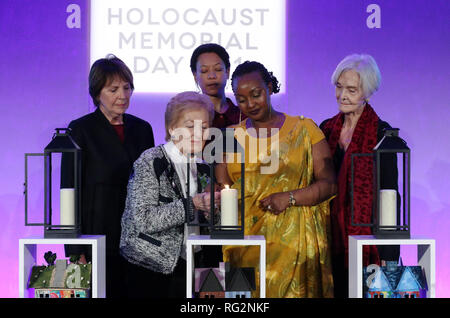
(106, 166)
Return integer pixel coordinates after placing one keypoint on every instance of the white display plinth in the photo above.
(27, 259)
(426, 256)
(206, 240)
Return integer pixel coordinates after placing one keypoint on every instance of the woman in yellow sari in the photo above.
(288, 182)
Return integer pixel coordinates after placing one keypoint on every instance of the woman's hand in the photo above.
(202, 201)
(275, 203)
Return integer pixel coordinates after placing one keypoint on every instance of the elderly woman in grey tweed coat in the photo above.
(153, 224)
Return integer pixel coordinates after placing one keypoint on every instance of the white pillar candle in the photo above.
(67, 206)
(228, 206)
(388, 207)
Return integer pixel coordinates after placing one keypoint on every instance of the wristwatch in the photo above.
(291, 199)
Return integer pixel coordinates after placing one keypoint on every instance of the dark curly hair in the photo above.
(209, 48)
(252, 66)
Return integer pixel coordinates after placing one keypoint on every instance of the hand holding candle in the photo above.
(229, 207)
(202, 201)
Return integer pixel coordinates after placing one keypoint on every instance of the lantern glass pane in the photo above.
(55, 186)
(62, 190)
(405, 188)
(391, 216)
(35, 189)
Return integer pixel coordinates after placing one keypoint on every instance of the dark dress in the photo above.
(106, 166)
(232, 116)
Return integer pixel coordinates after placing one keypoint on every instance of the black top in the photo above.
(232, 116)
(388, 163)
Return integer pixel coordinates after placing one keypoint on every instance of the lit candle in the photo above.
(388, 208)
(228, 207)
(67, 206)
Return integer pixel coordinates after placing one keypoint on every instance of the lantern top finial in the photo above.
(62, 141)
(391, 132)
(391, 142)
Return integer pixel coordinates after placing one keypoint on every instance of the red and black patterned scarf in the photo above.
(364, 140)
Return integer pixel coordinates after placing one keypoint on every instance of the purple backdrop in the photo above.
(44, 81)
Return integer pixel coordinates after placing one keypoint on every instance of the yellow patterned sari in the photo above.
(298, 262)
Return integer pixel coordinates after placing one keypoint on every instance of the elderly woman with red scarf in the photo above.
(356, 129)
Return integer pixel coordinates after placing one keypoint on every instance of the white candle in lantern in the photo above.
(388, 207)
(67, 206)
(228, 206)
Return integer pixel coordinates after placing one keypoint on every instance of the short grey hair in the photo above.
(186, 101)
(365, 66)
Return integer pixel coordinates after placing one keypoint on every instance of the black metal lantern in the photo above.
(228, 144)
(70, 189)
(391, 215)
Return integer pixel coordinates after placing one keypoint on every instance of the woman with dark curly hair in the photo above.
(210, 66)
(287, 203)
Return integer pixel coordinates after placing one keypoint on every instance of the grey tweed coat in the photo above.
(153, 220)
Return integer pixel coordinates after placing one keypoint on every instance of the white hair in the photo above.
(367, 69)
(186, 101)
